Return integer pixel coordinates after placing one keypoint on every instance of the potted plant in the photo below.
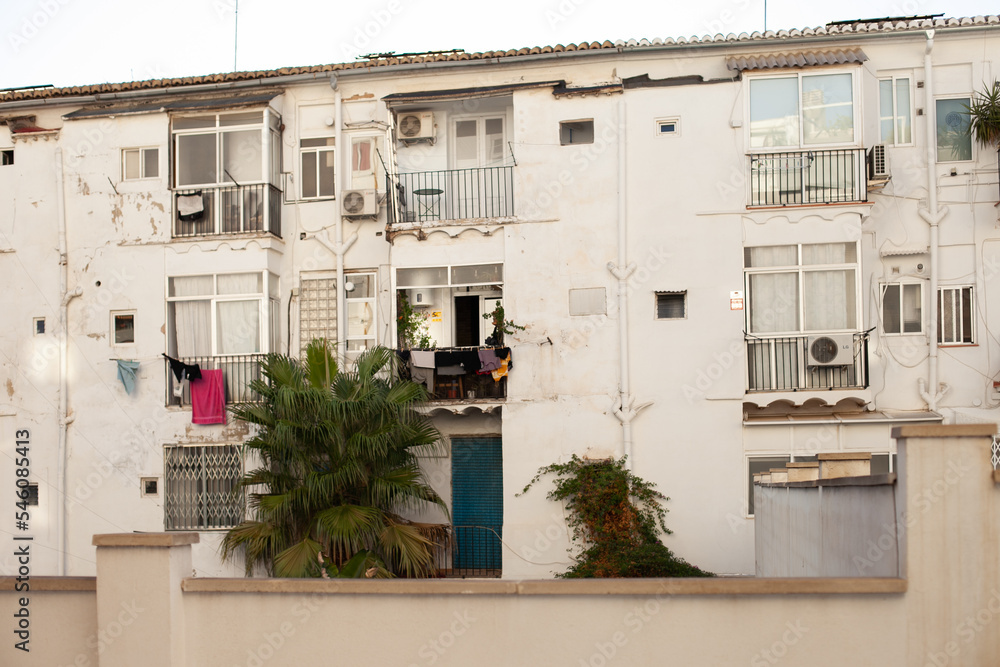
(411, 326)
(501, 326)
(984, 117)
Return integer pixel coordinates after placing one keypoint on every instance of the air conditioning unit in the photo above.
(832, 350)
(359, 203)
(415, 126)
(877, 165)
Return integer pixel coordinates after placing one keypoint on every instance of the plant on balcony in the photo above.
(616, 517)
(984, 115)
(411, 326)
(501, 325)
(335, 471)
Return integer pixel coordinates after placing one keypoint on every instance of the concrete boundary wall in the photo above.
(144, 609)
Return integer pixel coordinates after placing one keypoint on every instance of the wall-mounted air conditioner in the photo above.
(359, 203)
(832, 350)
(415, 126)
(421, 297)
(877, 165)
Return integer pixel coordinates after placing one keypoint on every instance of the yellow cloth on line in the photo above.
(502, 371)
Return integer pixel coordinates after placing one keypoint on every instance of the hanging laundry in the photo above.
(208, 398)
(422, 358)
(190, 207)
(502, 371)
(424, 376)
(489, 361)
(126, 373)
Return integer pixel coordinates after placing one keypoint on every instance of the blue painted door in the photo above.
(477, 504)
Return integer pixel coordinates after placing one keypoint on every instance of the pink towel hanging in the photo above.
(208, 398)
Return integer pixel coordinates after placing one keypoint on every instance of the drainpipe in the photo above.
(65, 296)
(623, 408)
(931, 391)
(338, 248)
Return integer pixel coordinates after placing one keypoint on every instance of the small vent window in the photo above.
(576, 132)
(668, 126)
(671, 305)
(6, 157)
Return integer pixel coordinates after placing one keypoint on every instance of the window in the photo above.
(802, 110)
(123, 328)
(901, 308)
(6, 157)
(478, 142)
(454, 299)
(200, 487)
(318, 164)
(225, 314)
(954, 142)
(32, 498)
(366, 155)
(360, 304)
(761, 464)
(576, 132)
(802, 288)
(226, 148)
(668, 126)
(38, 324)
(317, 309)
(149, 486)
(955, 315)
(140, 163)
(894, 111)
(671, 305)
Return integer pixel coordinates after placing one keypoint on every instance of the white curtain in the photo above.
(829, 300)
(239, 327)
(193, 328)
(774, 302)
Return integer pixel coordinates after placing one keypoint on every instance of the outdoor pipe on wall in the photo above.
(932, 391)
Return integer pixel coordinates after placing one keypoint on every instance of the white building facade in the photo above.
(727, 253)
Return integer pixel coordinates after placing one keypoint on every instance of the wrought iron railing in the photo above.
(796, 178)
(237, 372)
(453, 194)
(234, 209)
(473, 551)
(784, 363)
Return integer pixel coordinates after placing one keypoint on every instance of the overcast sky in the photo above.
(74, 42)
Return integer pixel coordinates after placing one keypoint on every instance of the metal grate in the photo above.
(996, 452)
(200, 490)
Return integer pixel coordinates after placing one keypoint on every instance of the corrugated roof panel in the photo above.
(163, 105)
(800, 59)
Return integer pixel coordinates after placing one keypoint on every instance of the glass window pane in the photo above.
(191, 326)
(196, 160)
(312, 143)
(912, 307)
(774, 302)
(272, 286)
(771, 255)
(827, 109)
(763, 464)
(124, 329)
(954, 143)
(829, 253)
(241, 283)
(494, 140)
(466, 143)
(238, 325)
(308, 174)
(327, 185)
(241, 156)
(774, 112)
(422, 277)
(829, 300)
(150, 163)
(967, 315)
(886, 117)
(192, 286)
(194, 123)
(360, 319)
(364, 285)
(477, 274)
(890, 309)
(132, 164)
(903, 129)
(242, 118)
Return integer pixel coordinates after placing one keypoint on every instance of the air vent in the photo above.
(877, 166)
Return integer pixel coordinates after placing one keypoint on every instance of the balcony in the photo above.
(801, 178)
(445, 385)
(235, 209)
(785, 364)
(472, 551)
(454, 194)
(237, 372)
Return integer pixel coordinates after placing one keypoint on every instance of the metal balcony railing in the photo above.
(454, 194)
(784, 364)
(234, 209)
(237, 372)
(797, 178)
(465, 387)
(473, 551)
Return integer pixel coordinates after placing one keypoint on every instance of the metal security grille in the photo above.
(996, 452)
(200, 487)
(317, 310)
(477, 506)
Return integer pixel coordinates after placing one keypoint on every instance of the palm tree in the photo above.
(336, 469)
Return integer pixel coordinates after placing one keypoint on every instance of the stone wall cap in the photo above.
(54, 584)
(845, 456)
(145, 539)
(944, 430)
(802, 464)
(773, 470)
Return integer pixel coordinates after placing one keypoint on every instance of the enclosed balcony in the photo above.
(801, 178)
(467, 374)
(807, 363)
(235, 209)
(451, 194)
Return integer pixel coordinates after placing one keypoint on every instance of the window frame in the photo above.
(114, 331)
(372, 301)
(894, 79)
(568, 127)
(937, 136)
(668, 120)
(267, 311)
(141, 150)
(316, 152)
(902, 322)
(238, 508)
(959, 328)
(482, 162)
(6, 157)
(800, 270)
(270, 146)
(857, 125)
(683, 294)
